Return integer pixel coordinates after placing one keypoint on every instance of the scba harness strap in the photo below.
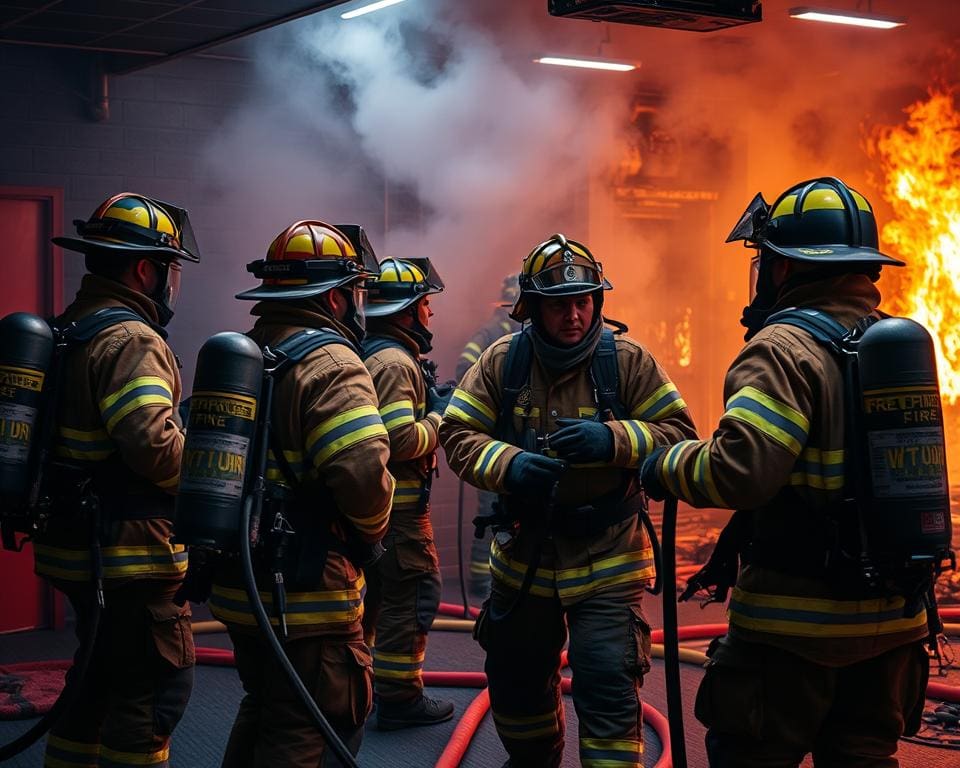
(587, 519)
(304, 553)
(142, 502)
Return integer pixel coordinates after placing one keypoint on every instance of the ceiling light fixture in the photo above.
(852, 18)
(564, 61)
(370, 8)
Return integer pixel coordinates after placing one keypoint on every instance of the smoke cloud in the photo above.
(429, 124)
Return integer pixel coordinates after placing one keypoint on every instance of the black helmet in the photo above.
(821, 220)
(558, 267)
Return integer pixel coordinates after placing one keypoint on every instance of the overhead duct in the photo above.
(693, 15)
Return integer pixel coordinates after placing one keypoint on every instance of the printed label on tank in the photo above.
(214, 463)
(14, 381)
(218, 409)
(16, 425)
(903, 407)
(907, 462)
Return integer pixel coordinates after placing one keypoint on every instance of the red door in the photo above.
(32, 282)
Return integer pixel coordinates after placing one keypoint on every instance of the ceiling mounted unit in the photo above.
(693, 15)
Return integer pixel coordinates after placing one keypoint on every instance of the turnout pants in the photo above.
(403, 595)
(609, 653)
(273, 728)
(138, 682)
(767, 708)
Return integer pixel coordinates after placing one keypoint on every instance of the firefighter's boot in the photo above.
(393, 715)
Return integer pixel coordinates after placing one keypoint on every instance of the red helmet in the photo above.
(309, 258)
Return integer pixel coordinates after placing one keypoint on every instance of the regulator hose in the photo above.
(250, 584)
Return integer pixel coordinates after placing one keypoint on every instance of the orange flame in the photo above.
(920, 162)
(682, 340)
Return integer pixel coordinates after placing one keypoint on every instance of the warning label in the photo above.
(16, 423)
(214, 463)
(907, 462)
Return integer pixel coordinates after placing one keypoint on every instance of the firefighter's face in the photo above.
(424, 313)
(566, 319)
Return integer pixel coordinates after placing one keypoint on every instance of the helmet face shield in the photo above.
(567, 276)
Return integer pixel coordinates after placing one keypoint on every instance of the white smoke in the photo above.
(413, 109)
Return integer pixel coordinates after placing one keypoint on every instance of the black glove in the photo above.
(183, 410)
(532, 474)
(650, 477)
(582, 441)
(438, 398)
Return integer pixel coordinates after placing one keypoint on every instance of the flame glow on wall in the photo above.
(920, 164)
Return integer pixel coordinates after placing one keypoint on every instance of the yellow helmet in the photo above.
(558, 267)
(135, 225)
(401, 283)
(309, 258)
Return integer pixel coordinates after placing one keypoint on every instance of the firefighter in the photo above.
(405, 594)
(329, 453)
(556, 420)
(118, 438)
(814, 661)
(497, 326)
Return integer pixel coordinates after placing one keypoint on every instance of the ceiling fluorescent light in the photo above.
(852, 18)
(369, 8)
(564, 61)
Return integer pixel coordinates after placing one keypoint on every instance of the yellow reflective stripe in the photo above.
(343, 430)
(511, 572)
(674, 456)
(820, 617)
(473, 347)
(533, 412)
(703, 477)
(134, 758)
(84, 435)
(635, 431)
(523, 728)
(611, 753)
(141, 381)
(423, 441)
(397, 414)
(470, 410)
(402, 658)
(375, 523)
(486, 461)
(82, 455)
(664, 401)
(396, 674)
(135, 394)
(585, 412)
(620, 569)
(777, 420)
(469, 357)
(303, 608)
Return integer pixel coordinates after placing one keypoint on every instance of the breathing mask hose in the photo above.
(84, 655)
(463, 585)
(671, 636)
(263, 621)
(252, 508)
